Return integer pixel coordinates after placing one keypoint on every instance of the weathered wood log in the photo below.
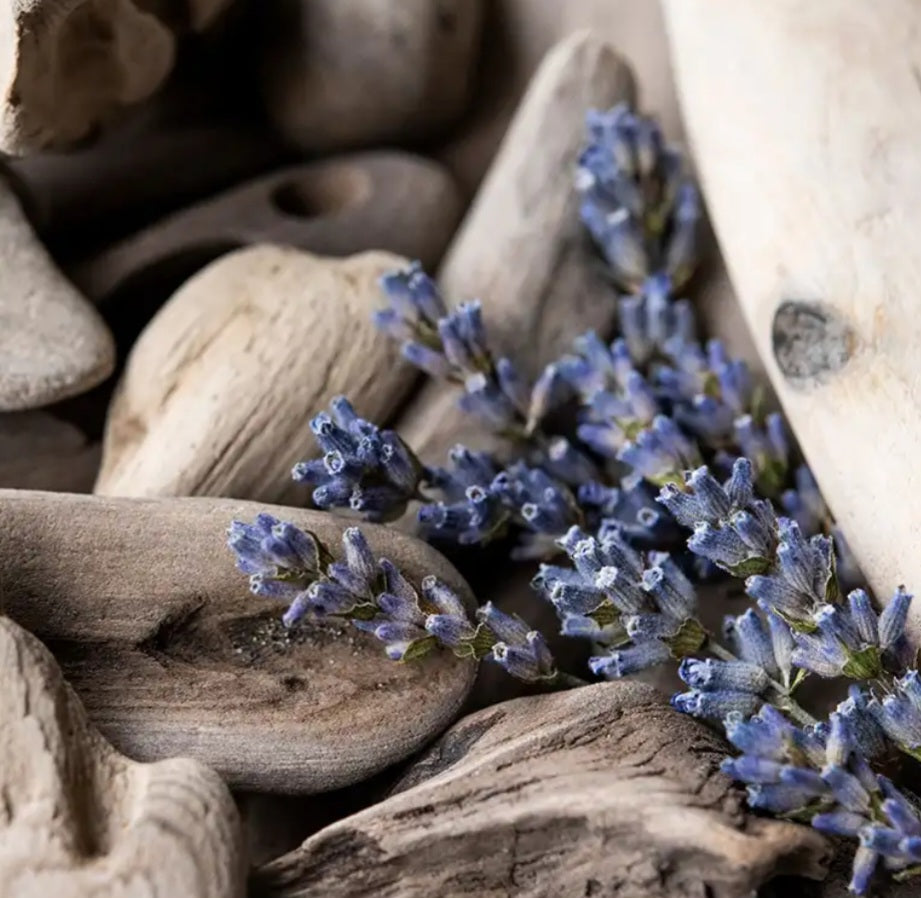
(521, 247)
(218, 392)
(67, 65)
(156, 631)
(811, 173)
(379, 200)
(602, 791)
(52, 342)
(40, 452)
(79, 819)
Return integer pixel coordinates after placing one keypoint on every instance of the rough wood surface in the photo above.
(67, 65)
(380, 200)
(346, 73)
(521, 248)
(41, 452)
(82, 821)
(826, 151)
(601, 791)
(52, 342)
(218, 392)
(156, 631)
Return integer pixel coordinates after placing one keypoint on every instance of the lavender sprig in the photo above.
(288, 563)
(453, 345)
(656, 411)
(820, 775)
(363, 468)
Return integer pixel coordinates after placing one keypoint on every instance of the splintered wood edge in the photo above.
(523, 796)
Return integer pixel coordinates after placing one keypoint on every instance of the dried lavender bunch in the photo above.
(285, 562)
(670, 433)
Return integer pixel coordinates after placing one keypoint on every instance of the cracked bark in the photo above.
(601, 791)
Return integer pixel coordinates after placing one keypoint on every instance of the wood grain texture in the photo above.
(82, 821)
(157, 633)
(349, 73)
(812, 175)
(41, 452)
(521, 248)
(67, 65)
(601, 791)
(218, 392)
(380, 200)
(52, 342)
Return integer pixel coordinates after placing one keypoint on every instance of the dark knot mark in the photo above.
(811, 341)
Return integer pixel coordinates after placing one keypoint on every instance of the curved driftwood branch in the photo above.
(600, 791)
(79, 819)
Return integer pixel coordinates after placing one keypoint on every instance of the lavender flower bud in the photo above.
(716, 705)
(735, 676)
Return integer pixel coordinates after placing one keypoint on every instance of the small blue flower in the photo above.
(365, 469)
(473, 511)
(899, 714)
(539, 502)
(716, 705)
(630, 660)
(636, 202)
(415, 305)
(521, 651)
(660, 452)
(281, 559)
(710, 675)
(651, 320)
(804, 576)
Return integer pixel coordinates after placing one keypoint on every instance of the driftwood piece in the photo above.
(218, 392)
(160, 155)
(347, 73)
(40, 452)
(826, 272)
(517, 35)
(158, 635)
(380, 200)
(67, 65)
(521, 247)
(82, 821)
(52, 342)
(599, 791)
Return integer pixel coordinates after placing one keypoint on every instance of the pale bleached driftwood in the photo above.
(67, 65)
(346, 73)
(79, 819)
(521, 248)
(379, 200)
(156, 631)
(52, 342)
(598, 791)
(218, 392)
(812, 175)
(41, 452)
